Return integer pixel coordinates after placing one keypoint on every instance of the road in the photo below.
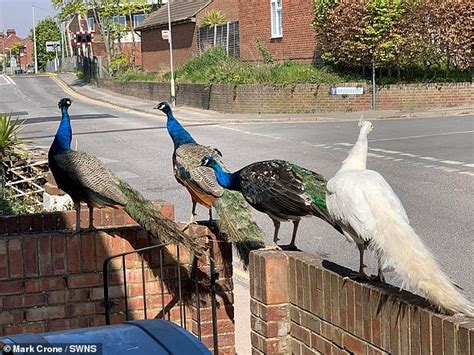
(428, 162)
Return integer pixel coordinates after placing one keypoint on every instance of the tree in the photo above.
(46, 30)
(212, 18)
(103, 12)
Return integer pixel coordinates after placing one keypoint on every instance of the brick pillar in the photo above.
(269, 302)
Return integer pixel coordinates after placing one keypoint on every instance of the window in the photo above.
(275, 6)
(119, 19)
(138, 19)
(90, 24)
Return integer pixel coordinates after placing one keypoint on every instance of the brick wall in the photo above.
(228, 8)
(155, 50)
(301, 304)
(298, 41)
(301, 98)
(52, 279)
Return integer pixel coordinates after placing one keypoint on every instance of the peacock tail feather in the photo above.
(314, 184)
(146, 215)
(236, 221)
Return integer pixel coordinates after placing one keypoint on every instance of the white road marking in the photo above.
(469, 165)
(409, 155)
(399, 159)
(466, 173)
(452, 162)
(344, 144)
(10, 80)
(420, 136)
(376, 155)
(429, 158)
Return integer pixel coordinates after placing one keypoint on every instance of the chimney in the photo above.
(11, 31)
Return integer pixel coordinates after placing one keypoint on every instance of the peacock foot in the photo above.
(362, 276)
(274, 246)
(289, 247)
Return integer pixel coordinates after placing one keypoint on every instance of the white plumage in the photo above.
(369, 211)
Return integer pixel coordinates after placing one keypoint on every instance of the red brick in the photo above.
(11, 287)
(355, 345)
(44, 313)
(35, 327)
(56, 297)
(11, 316)
(15, 257)
(31, 258)
(74, 253)
(320, 344)
(44, 284)
(3, 258)
(81, 309)
(44, 256)
(69, 323)
(88, 252)
(85, 280)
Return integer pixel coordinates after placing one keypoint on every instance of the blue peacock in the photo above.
(282, 190)
(86, 179)
(235, 218)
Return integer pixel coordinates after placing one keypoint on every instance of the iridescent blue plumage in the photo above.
(177, 132)
(62, 140)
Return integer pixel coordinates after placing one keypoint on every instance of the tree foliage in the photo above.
(103, 12)
(212, 18)
(396, 34)
(46, 30)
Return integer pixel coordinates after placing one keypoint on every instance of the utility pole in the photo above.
(170, 41)
(34, 40)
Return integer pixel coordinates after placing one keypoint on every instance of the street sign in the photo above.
(53, 46)
(83, 37)
(347, 90)
(165, 34)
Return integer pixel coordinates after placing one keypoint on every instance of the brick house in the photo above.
(88, 23)
(185, 18)
(25, 47)
(26, 54)
(283, 26)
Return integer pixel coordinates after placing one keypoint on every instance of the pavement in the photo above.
(198, 115)
(428, 162)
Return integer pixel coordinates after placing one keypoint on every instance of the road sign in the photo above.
(347, 90)
(83, 37)
(53, 46)
(165, 34)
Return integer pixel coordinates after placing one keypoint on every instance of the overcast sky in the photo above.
(18, 14)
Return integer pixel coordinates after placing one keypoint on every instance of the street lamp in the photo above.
(170, 41)
(34, 40)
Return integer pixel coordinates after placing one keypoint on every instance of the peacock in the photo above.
(86, 179)
(367, 209)
(235, 218)
(282, 190)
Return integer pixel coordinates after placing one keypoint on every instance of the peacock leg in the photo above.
(380, 275)
(362, 273)
(210, 215)
(77, 207)
(275, 246)
(192, 219)
(91, 217)
(292, 245)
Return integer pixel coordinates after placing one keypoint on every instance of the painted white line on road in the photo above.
(385, 150)
(469, 165)
(432, 166)
(375, 155)
(399, 159)
(409, 155)
(314, 145)
(452, 162)
(10, 80)
(344, 144)
(466, 173)
(420, 136)
(429, 158)
(450, 170)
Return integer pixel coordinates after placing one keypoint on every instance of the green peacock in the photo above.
(235, 217)
(86, 179)
(282, 190)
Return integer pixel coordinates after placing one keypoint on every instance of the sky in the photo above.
(18, 14)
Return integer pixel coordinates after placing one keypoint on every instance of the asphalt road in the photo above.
(428, 162)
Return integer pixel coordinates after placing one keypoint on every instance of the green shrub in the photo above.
(136, 75)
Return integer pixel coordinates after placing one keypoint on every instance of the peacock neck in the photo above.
(178, 134)
(228, 180)
(357, 158)
(62, 140)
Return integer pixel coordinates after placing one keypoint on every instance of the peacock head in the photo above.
(209, 161)
(365, 126)
(65, 102)
(163, 106)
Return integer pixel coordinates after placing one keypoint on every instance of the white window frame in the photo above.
(276, 18)
(91, 20)
(135, 24)
(116, 19)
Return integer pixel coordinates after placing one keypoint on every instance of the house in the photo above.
(88, 23)
(283, 26)
(25, 48)
(185, 18)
